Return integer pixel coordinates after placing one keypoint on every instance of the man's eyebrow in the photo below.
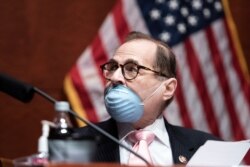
(112, 61)
(131, 61)
(126, 61)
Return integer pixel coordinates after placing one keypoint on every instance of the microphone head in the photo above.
(17, 89)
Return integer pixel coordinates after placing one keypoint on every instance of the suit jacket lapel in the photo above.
(182, 150)
(107, 150)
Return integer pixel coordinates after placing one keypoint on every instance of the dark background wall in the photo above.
(40, 40)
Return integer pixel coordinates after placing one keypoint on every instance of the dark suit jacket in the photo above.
(184, 142)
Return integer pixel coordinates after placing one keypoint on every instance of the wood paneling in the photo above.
(40, 40)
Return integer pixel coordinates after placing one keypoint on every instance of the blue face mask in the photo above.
(123, 104)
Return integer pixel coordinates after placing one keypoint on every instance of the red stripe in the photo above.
(99, 55)
(182, 105)
(245, 84)
(120, 23)
(83, 94)
(246, 159)
(201, 86)
(218, 64)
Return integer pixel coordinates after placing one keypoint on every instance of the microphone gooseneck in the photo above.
(45, 95)
(52, 100)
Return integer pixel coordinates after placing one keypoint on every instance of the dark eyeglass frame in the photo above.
(104, 67)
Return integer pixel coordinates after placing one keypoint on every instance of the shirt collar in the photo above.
(158, 128)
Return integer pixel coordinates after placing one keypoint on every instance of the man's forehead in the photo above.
(136, 50)
(135, 43)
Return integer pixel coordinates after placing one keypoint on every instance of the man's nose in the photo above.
(117, 77)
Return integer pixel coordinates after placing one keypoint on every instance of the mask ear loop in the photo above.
(145, 99)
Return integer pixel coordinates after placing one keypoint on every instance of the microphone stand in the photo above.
(52, 100)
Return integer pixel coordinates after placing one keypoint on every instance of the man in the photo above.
(141, 82)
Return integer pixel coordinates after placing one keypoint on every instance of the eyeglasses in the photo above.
(130, 70)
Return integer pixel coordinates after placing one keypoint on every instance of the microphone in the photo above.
(17, 89)
(25, 92)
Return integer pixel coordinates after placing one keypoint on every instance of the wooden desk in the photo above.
(9, 163)
(88, 165)
(97, 165)
(6, 162)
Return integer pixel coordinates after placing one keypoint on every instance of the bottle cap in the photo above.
(62, 106)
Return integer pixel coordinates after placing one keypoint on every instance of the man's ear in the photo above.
(170, 87)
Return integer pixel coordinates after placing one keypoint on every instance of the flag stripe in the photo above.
(202, 90)
(235, 126)
(110, 40)
(183, 108)
(120, 23)
(92, 80)
(194, 107)
(235, 84)
(74, 99)
(133, 16)
(244, 82)
(99, 54)
(207, 65)
(202, 48)
(82, 93)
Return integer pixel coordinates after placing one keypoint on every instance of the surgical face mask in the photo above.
(123, 104)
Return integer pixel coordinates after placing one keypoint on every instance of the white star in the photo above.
(165, 36)
(207, 13)
(155, 14)
(173, 4)
(184, 11)
(192, 20)
(218, 6)
(181, 28)
(160, 1)
(196, 4)
(169, 20)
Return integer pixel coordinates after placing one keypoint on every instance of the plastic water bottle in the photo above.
(61, 134)
(63, 126)
(66, 145)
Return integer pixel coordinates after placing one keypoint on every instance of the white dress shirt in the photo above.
(160, 149)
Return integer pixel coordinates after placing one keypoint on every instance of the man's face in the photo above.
(141, 52)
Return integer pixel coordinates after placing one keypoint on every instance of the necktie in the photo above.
(141, 140)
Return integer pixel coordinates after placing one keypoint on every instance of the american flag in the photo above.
(213, 93)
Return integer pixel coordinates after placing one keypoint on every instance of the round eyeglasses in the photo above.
(130, 70)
